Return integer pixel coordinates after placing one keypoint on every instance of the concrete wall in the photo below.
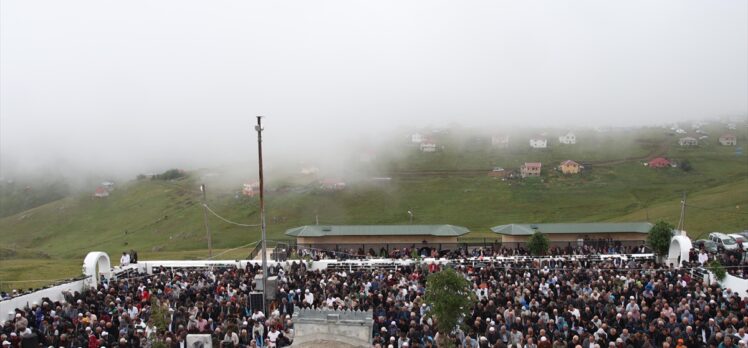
(54, 293)
(344, 328)
(731, 282)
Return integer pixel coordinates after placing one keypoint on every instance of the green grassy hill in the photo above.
(164, 219)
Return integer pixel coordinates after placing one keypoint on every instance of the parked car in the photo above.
(711, 247)
(740, 239)
(723, 241)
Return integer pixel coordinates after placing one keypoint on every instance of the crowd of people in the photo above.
(149, 311)
(734, 261)
(568, 303)
(451, 251)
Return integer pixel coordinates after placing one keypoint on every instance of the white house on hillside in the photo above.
(688, 141)
(416, 138)
(428, 147)
(568, 139)
(538, 143)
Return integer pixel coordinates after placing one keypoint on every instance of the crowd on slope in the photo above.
(617, 303)
(127, 313)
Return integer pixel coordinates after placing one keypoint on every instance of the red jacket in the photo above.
(93, 342)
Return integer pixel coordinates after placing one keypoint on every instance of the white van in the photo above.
(740, 238)
(723, 241)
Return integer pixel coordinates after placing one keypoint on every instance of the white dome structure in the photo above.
(680, 246)
(96, 264)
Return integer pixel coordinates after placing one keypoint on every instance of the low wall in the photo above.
(736, 284)
(343, 328)
(8, 307)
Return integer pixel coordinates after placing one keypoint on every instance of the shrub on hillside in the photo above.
(685, 166)
(170, 174)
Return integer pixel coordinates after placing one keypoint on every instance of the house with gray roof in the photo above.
(569, 232)
(376, 234)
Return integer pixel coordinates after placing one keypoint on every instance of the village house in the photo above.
(568, 139)
(569, 167)
(498, 172)
(310, 170)
(101, 192)
(375, 236)
(659, 162)
(561, 234)
(108, 185)
(332, 185)
(251, 189)
(416, 138)
(728, 140)
(538, 143)
(500, 141)
(428, 146)
(530, 169)
(688, 141)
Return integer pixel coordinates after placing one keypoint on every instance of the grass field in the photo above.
(164, 219)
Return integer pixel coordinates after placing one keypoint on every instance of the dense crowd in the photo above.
(154, 310)
(566, 303)
(425, 250)
(734, 261)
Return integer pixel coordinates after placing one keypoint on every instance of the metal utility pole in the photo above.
(205, 218)
(682, 221)
(258, 128)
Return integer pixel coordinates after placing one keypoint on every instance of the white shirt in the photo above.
(272, 337)
(124, 260)
(703, 257)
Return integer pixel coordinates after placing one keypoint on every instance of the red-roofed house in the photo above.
(101, 192)
(728, 140)
(530, 169)
(659, 162)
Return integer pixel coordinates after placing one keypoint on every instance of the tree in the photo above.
(719, 271)
(159, 315)
(538, 243)
(659, 237)
(685, 166)
(450, 299)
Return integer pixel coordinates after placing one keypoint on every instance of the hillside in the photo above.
(165, 219)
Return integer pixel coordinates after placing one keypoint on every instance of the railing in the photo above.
(474, 247)
(272, 245)
(257, 249)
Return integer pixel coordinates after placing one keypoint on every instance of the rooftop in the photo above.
(604, 227)
(377, 230)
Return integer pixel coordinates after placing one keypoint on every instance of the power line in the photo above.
(227, 220)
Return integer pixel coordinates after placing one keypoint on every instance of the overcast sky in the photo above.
(143, 85)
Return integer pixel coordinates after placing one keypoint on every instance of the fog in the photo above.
(125, 87)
